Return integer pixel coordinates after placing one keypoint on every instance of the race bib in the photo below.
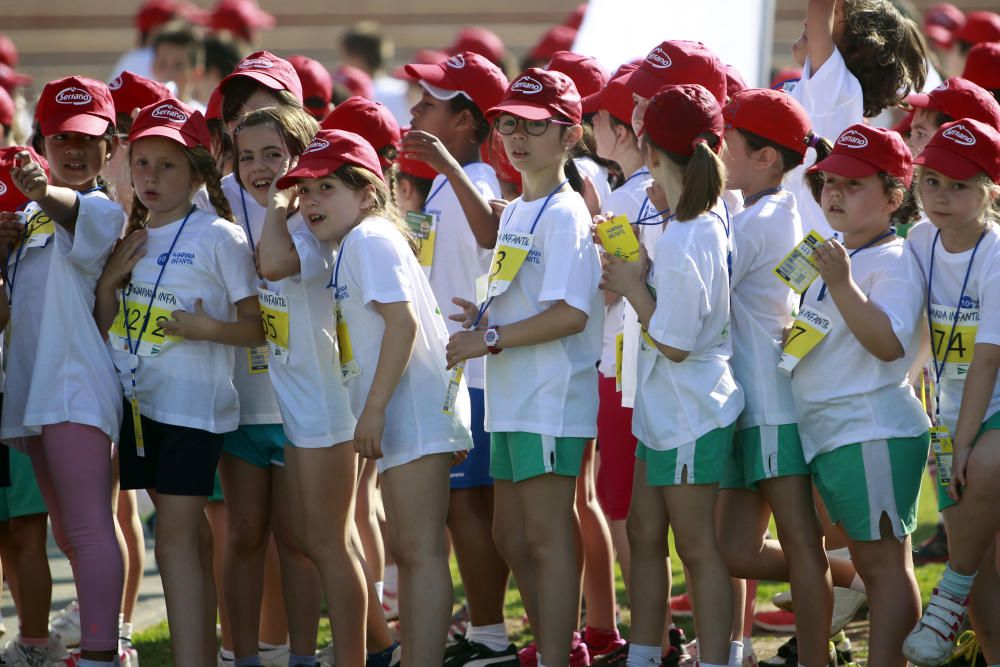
(810, 327)
(39, 229)
(508, 257)
(349, 367)
(798, 269)
(941, 445)
(618, 239)
(140, 320)
(955, 354)
(454, 385)
(424, 228)
(274, 316)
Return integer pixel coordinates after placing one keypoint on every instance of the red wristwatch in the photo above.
(492, 339)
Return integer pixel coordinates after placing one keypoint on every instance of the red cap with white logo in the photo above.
(12, 199)
(616, 98)
(329, 151)
(982, 67)
(962, 149)
(679, 118)
(675, 62)
(771, 114)
(133, 91)
(173, 120)
(465, 73)
(587, 73)
(959, 98)
(371, 120)
(539, 94)
(862, 150)
(268, 70)
(75, 104)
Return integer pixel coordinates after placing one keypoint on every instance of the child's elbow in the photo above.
(673, 354)
(890, 353)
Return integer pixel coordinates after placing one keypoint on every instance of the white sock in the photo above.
(227, 655)
(494, 637)
(842, 552)
(379, 589)
(540, 663)
(125, 630)
(735, 654)
(643, 656)
(857, 584)
(391, 577)
(748, 646)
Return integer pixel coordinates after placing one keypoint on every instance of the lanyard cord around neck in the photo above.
(246, 220)
(434, 193)
(757, 196)
(891, 232)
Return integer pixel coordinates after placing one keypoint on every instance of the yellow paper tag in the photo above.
(810, 327)
(955, 354)
(941, 444)
(130, 318)
(40, 229)
(424, 228)
(349, 367)
(454, 384)
(619, 357)
(274, 317)
(798, 269)
(140, 445)
(618, 238)
(508, 257)
(258, 358)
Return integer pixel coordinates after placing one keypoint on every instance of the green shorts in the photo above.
(518, 456)
(261, 445)
(22, 497)
(861, 482)
(217, 495)
(764, 452)
(944, 500)
(704, 461)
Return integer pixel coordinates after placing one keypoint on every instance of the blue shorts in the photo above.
(261, 445)
(475, 470)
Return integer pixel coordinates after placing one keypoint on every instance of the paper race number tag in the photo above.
(810, 327)
(798, 269)
(954, 354)
(40, 229)
(508, 257)
(454, 385)
(349, 367)
(941, 445)
(619, 239)
(424, 228)
(130, 320)
(274, 316)
(140, 445)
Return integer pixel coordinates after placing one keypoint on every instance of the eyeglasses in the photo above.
(506, 124)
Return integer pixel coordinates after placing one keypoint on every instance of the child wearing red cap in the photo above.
(863, 430)
(684, 354)
(959, 255)
(373, 121)
(262, 79)
(317, 86)
(176, 293)
(543, 342)
(67, 429)
(955, 98)
(982, 67)
(390, 341)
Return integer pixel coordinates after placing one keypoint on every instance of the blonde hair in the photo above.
(358, 178)
(989, 190)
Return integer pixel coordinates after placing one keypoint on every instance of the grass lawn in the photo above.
(154, 644)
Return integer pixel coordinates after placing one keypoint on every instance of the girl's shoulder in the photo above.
(216, 229)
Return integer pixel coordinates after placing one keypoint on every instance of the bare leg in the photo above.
(484, 572)
(598, 556)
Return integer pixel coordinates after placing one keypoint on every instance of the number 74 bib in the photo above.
(131, 316)
(956, 354)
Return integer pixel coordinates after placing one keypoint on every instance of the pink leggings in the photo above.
(72, 463)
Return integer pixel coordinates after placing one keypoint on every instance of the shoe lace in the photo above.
(967, 648)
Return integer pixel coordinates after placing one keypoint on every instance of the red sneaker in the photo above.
(775, 621)
(579, 656)
(680, 605)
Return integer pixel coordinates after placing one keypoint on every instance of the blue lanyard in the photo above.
(754, 198)
(891, 232)
(246, 219)
(657, 218)
(642, 172)
(335, 274)
(434, 193)
(939, 369)
(727, 225)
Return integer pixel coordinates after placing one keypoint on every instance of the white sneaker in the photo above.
(16, 654)
(324, 656)
(225, 661)
(932, 641)
(783, 601)
(127, 655)
(66, 624)
(846, 603)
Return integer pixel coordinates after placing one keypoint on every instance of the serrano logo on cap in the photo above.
(169, 112)
(659, 59)
(458, 62)
(527, 85)
(3, 188)
(316, 145)
(960, 135)
(942, 86)
(256, 63)
(853, 139)
(73, 95)
(115, 83)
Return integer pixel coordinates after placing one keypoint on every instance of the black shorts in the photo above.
(179, 460)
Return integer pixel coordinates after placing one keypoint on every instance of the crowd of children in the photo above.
(556, 317)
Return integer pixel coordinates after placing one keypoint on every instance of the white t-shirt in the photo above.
(391, 92)
(762, 307)
(258, 404)
(833, 99)
(375, 263)
(314, 402)
(598, 174)
(551, 388)
(677, 403)
(58, 368)
(630, 200)
(843, 394)
(458, 259)
(978, 305)
(138, 61)
(190, 383)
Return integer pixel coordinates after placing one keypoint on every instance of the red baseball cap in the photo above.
(132, 91)
(214, 109)
(421, 57)
(862, 150)
(979, 27)
(317, 84)
(982, 67)
(174, 120)
(240, 17)
(328, 152)
(469, 73)
(479, 40)
(616, 98)
(8, 51)
(734, 82)
(771, 114)
(959, 98)
(268, 70)
(539, 94)
(784, 76)
(587, 73)
(355, 80)
(557, 38)
(575, 20)
(154, 13)
(941, 22)
(75, 104)
(678, 118)
(12, 199)
(9, 79)
(962, 149)
(675, 62)
(417, 168)
(6, 111)
(369, 119)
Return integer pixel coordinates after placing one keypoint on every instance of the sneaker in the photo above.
(66, 624)
(474, 654)
(774, 621)
(967, 652)
(613, 655)
(680, 606)
(846, 604)
(459, 625)
(579, 656)
(934, 549)
(932, 641)
(390, 605)
(842, 645)
(679, 641)
(324, 656)
(788, 655)
(224, 660)
(127, 655)
(783, 601)
(16, 654)
(388, 658)
(750, 660)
